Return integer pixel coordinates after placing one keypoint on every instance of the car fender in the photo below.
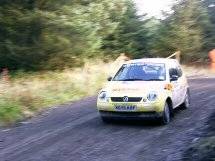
(163, 99)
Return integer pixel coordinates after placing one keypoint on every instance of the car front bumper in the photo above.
(130, 115)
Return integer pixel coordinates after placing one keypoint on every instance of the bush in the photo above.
(9, 112)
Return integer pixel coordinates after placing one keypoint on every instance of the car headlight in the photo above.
(152, 96)
(103, 96)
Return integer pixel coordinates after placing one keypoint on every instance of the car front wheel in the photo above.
(165, 118)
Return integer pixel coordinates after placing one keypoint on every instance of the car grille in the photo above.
(130, 99)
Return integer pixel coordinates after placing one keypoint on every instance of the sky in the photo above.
(153, 7)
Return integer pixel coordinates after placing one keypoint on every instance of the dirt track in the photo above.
(75, 132)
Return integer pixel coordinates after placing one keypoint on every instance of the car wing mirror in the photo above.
(173, 78)
(109, 78)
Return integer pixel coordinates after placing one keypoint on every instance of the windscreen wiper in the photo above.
(154, 80)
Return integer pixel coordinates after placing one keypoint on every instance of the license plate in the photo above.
(126, 108)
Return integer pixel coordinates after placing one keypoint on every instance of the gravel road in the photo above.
(75, 132)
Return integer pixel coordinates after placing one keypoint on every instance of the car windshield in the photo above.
(141, 72)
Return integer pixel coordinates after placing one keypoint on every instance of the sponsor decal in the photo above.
(124, 89)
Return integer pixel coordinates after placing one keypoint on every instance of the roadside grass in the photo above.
(27, 94)
(197, 70)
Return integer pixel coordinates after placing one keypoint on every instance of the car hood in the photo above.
(133, 88)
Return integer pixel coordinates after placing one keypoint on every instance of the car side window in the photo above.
(173, 71)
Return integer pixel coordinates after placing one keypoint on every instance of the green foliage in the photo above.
(53, 34)
(20, 31)
(9, 112)
(39, 34)
(188, 29)
(210, 6)
(130, 36)
(210, 30)
(78, 29)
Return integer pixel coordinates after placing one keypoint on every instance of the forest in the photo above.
(53, 35)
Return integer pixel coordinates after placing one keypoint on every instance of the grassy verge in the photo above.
(198, 70)
(26, 94)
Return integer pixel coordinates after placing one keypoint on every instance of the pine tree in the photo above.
(184, 30)
(130, 36)
(210, 29)
(20, 34)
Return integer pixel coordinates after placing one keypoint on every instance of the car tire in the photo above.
(165, 118)
(186, 103)
(106, 120)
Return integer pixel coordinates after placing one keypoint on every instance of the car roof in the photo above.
(152, 60)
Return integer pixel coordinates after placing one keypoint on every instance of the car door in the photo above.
(176, 92)
(182, 83)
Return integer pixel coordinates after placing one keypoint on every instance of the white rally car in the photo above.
(144, 88)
